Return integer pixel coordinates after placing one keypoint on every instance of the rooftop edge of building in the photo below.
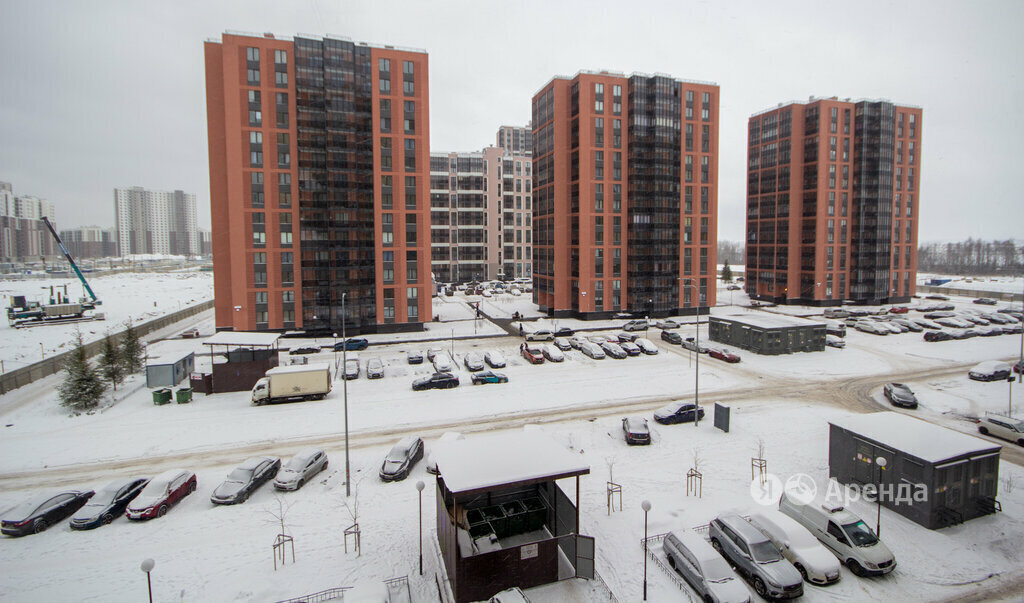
(623, 75)
(271, 36)
(814, 99)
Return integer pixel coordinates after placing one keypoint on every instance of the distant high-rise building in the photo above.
(516, 139)
(625, 195)
(205, 243)
(832, 202)
(23, 236)
(319, 174)
(87, 242)
(480, 225)
(155, 222)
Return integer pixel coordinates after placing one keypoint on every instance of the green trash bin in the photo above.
(161, 396)
(183, 395)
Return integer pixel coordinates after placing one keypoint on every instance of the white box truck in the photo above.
(293, 383)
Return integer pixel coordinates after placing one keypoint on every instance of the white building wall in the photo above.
(147, 219)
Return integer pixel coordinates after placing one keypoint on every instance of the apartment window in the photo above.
(599, 165)
(833, 146)
(254, 98)
(288, 297)
(281, 78)
(280, 57)
(284, 160)
(598, 106)
(705, 139)
(389, 305)
(256, 158)
(598, 197)
(846, 176)
(704, 200)
(831, 176)
(255, 118)
(408, 87)
(599, 294)
(385, 84)
(253, 76)
(688, 199)
(617, 166)
(688, 230)
(259, 227)
(703, 232)
(411, 268)
(252, 54)
(255, 137)
(617, 133)
(599, 131)
(386, 192)
(599, 230)
(384, 66)
(705, 168)
(407, 67)
(689, 168)
(846, 148)
(282, 119)
(387, 229)
(286, 238)
(598, 262)
(410, 117)
(617, 100)
(616, 230)
(260, 257)
(410, 154)
(705, 111)
(410, 192)
(388, 267)
(616, 197)
(385, 115)
(385, 153)
(831, 203)
(687, 268)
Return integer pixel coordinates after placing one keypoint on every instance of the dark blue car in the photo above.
(353, 343)
(108, 503)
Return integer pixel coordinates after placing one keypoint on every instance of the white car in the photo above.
(374, 368)
(576, 340)
(598, 339)
(442, 363)
(512, 595)
(814, 562)
(494, 359)
(563, 344)
(540, 335)
(552, 353)
(591, 349)
(646, 346)
(1002, 426)
(833, 341)
(300, 469)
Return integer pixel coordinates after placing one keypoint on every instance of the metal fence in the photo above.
(998, 295)
(651, 545)
(324, 595)
(48, 366)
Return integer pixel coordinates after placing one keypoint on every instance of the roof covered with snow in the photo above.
(243, 338)
(915, 437)
(768, 321)
(486, 462)
(300, 368)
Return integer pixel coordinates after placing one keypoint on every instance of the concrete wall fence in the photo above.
(46, 367)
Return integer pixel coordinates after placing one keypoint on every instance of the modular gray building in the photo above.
(953, 476)
(169, 369)
(765, 333)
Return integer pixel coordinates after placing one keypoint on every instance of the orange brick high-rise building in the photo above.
(319, 176)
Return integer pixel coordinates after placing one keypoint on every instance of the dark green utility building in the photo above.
(764, 333)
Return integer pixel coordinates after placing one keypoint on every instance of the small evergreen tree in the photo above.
(727, 272)
(82, 387)
(131, 349)
(111, 366)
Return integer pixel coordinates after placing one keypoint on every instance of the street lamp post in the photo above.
(344, 361)
(696, 353)
(335, 353)
(419, 488)
(882, 462)
(147, 566)
(646, 506)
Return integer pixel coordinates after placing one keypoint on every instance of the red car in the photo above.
(161, 493)
(899, 310)
(532, 353)
(723, 354)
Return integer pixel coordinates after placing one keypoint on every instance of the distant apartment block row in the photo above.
(23, 236)
(156, 222)
(329, 209)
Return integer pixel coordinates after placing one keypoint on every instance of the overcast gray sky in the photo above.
(102, 94)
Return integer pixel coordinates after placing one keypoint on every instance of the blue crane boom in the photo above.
(71, 261)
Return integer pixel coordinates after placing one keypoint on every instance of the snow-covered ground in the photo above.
(1002, 284)
(208, 553)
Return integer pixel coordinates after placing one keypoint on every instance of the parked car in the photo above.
(938, 297)
(926, 324)
(401, 459)
(161, 493)
(592, 350)
(987, 301)
(754, 556)
(442, 363)
(1000, 319)
(301, 468)
(814, 562)
(309, 349)
(677, 412)
(352, 343)
(622, 336)
(532, 353)
(351, 369)
(614, 350)
(510, 595)
(900, 395)
(899, 310)
(733, 288)
(40, 512)
(541, 335)
(908, 325)
(990, 330)
(374, 368)
(871, 326)
(937, 336)
(563, 344)
(836, 313)
(415, 357)
(552, 353)
(473, 361)
(564, 332)
(631, 348)
(576, 340)
(834, 327)
(833, 341)
(668, 323)
(672, 337)
(990, 370)
(635, 430)
(1018, 367)
(598, 339)
(635, 325)
(245, 479)
(1003, 427)
(940, 314)
(646, 346)
(438, 380)
(690, 343)
(707, 573)
(843, 533)
(489, 377)
(108, 503)
(494, 359)
(724, 354)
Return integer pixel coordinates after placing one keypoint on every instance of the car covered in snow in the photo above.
(108, 503)
(415, 357)
(532, 353)
(814, 562)
(592, 350)
(489, 377)
(576, 340)
(646, 346)
(938, 336)
(245, 479)
(987, 301)
(690, 343)
(990, 370)
(563, 344)
(401, 459)
(161, 493)
(351, 370)
(374, 368)
(707, 573)
(834, 341)
(301, 468)
(494, 359)
(622, 336)
(510, 595)
(631, 348)
(672, 337)
(473, 361)
(668, 323)
(40, 512)
(552, 353)
(613, 350)
(636, 325)
(635, 430)
(900, 395)
(677, 412)
(439, 380)
(308, 349)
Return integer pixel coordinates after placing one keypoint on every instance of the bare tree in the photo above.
(760, 448)
(610, 461)
(698, 459)
(281, 512)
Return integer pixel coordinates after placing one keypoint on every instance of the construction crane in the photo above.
(24, 313)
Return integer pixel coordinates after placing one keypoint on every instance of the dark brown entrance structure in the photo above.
(240, 358)
(504, 518)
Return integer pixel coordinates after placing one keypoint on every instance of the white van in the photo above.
(815, 563)
(843, 533)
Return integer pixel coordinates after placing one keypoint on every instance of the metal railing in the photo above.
(657, 559)
(324, 595)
